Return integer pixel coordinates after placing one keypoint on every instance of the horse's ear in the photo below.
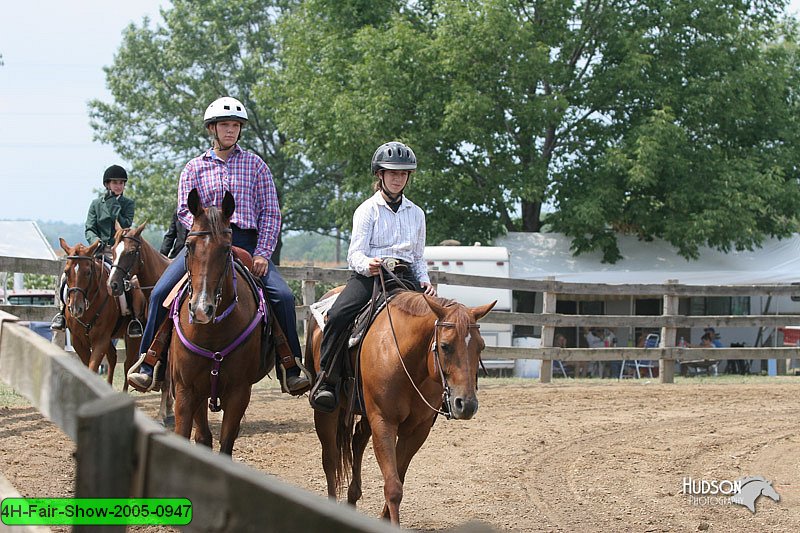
(480, 312)
(228, 205)
(117, 225)
(138, 230)
(64, 245)
(435, 306)
(193, 201)
(93, 248)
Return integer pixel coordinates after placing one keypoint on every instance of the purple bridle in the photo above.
(217, 356)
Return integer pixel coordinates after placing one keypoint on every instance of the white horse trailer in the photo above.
(477, 261)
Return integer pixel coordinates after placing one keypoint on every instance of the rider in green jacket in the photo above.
(111, 207)
(101, 221)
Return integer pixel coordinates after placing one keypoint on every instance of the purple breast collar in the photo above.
(218, 356)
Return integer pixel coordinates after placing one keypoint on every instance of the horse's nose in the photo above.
(200, 312)
(76, 309)
(116, 288)
(464, 408)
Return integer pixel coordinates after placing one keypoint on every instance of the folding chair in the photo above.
(651, 341)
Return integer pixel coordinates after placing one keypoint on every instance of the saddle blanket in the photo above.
(320, 309)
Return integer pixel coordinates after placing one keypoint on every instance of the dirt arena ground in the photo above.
(569, 456)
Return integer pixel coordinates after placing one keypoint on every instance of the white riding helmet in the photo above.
(225, 108)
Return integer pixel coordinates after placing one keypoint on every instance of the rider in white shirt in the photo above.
(387, 225)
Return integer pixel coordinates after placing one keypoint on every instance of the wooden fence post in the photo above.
(105, 451)
(548, 307)
(308, 287)
(666, 366)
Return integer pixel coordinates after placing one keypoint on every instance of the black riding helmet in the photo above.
(114, 172)
(393, 156)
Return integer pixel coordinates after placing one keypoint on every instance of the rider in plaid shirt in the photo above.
(256, 223)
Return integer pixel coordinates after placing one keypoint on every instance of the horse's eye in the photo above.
(447, 347)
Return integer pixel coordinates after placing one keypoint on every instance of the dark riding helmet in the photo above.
(393, 156)
(114, 172)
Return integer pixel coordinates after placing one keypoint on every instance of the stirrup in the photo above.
(131, 325)
(312, 397)
(282, 379)
(62, 324)
(155, 385)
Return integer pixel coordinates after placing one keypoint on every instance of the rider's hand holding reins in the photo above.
(430, 290)
(375, 266)
(260, 266)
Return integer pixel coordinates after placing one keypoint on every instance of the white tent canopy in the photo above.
(24, 239)
(539, 255)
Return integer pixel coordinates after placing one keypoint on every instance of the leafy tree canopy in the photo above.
(672, 119)
(162, 79)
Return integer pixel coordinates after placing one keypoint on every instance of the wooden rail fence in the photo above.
(668, 353)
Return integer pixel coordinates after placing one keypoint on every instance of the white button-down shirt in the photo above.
(380, 232)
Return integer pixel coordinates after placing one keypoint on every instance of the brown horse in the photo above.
(216, 347)
(134, 256)
(93, 315)
(419, 358)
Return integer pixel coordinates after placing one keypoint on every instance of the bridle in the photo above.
(83, 291)
(218, 288)
(437, 359)
(134, 264)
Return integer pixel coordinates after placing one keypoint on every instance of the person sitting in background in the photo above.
(594, 338)
(713, 337)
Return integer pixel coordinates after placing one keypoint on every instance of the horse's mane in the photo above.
(414, 304)
(216, 221)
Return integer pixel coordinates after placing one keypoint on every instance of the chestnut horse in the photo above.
(215, 351)
(93, 315)
(419, 358)
(134, 256)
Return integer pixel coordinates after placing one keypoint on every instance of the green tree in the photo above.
(671, 119)
(163, 77)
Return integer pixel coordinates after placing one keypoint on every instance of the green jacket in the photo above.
(102, 214)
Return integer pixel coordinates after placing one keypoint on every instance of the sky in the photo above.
(54, 52)
(53, 66)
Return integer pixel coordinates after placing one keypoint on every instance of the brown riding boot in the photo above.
(292, 376)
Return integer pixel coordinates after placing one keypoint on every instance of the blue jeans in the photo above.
(279, 294)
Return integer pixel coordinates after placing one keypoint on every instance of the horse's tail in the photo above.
(344, 445)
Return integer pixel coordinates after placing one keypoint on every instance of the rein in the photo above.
(137, 255)
(435, 349)
(90, 325)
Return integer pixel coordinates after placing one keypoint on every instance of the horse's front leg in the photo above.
(165, 409)
(184, 411)
(202, 433)
(111, 357)
(235, 404)
(409, 441)
(361, 437)
(325, 425)
(132, 347)
(383, 442)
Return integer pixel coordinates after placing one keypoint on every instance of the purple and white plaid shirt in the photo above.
(249, 179)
